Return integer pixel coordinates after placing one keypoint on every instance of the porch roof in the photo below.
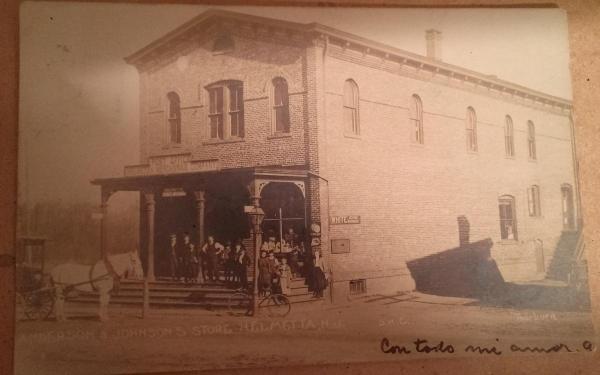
(181, 179)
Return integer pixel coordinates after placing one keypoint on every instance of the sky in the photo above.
(78, 114)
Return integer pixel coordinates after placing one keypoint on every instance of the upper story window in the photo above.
(174, 117)
(471, 128)
(226, 109)
(416, 119)
(351, 114)
(281, 106)
(509, 139)
(531, 140)
(533, 199)
(508, 221)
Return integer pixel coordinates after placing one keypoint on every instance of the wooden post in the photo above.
(105, 195)
(146, 305)
(150, 209)
(256, 217)
(200, 205)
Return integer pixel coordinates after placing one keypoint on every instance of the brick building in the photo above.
(402, 161)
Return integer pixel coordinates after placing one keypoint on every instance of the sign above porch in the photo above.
(171, 164)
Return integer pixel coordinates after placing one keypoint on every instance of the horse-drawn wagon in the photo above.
(35, 291)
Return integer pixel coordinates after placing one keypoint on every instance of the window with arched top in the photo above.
(281, 106)
(508, 218)
(509, 138)
(471, 130)
(226, 109)
(531, 140)
(416, 119)
(533, 200)
(351, 113)
(174, 117)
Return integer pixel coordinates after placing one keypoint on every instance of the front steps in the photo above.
(171, 294)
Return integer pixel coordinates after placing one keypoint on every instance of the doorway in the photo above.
(567, 207)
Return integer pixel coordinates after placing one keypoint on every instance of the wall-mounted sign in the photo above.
(340, 246)
(350, 219)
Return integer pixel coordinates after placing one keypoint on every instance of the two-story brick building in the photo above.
(395, 156)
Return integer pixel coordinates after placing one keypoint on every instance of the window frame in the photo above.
(534, 201)
(225, 110)
(505, 234)
(173, 118)
(350, 105)
(416, 119)
(471, 130)
(509, 137)
(282, 109)
(531, 140)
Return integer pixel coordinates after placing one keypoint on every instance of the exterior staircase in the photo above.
(565, 256)
(164, 293)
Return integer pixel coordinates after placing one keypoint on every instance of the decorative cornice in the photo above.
(316, 33)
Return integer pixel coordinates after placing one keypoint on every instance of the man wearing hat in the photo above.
(172, 256)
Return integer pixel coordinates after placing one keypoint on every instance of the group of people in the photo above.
(279, 263)
(193, 264)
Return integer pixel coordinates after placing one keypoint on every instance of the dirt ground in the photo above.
(171, 340)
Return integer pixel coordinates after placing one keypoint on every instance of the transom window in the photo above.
(351, 114)
(174, 117)
(281, 106)
(533, 199)
(508, 222)
(226, 109)
(471, 128)
(531, 140)
(509, 139)
(416, 119)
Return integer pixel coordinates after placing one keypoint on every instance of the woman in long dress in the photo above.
(264, 273)
(285, 277)
(319, 275)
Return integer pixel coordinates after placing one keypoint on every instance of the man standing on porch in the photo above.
(213, 250)
(173, 264)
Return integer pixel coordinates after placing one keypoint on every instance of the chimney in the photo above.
(434, 44)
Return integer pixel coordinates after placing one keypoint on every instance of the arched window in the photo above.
(568, 207)
(281, 106)
(533, 200)
(174, 117)
(471, 128)
(416, 119)
(226, 109)
(508, 220)
(351, 114)
(531, 140)
(509, 139)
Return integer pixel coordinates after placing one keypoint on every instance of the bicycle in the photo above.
(276, 305)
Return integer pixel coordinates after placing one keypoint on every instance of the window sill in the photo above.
(508, 242)
(279, 135)
(353, 136)
(532, 160)
(221, 141)
(173, 146)
(509, 157)
(417, 144)
(472, 152)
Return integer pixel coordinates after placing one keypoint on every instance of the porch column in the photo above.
(150, 209)
(200, 205)
(105, 195)
(256, 216)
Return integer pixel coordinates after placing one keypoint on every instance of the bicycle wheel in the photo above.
(239, 303)
(277, 305)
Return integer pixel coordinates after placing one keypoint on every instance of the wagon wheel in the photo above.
(38, 305)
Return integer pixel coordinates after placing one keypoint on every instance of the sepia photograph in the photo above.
(219, 187)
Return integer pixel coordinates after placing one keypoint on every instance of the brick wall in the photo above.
(255, 61)
(410, 195)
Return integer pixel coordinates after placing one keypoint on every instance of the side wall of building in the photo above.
(410, 196)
